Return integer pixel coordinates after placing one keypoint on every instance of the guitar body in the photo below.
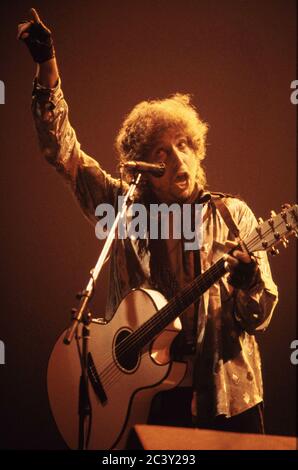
(127, 384)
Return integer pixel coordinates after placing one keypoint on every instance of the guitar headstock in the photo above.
(274, 231)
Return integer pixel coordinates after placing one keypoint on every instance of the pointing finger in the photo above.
(37, 20)
(35, 15)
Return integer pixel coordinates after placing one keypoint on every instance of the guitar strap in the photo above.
(217, 199)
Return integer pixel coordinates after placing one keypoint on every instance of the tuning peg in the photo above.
(285, 242)
(274, 252)
(286, 206)
(271, 221)
(260, 220)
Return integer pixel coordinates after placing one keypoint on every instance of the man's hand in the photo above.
(37, 37)
(238, 255)
(243, 269)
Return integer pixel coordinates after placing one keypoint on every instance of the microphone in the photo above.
(155, 169)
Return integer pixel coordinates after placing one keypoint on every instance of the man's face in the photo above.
(178, 181)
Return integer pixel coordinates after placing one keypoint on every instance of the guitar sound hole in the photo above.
(127, 359)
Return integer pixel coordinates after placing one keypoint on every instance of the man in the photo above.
(224, 390)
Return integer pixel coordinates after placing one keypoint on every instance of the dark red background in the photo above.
(238, 59)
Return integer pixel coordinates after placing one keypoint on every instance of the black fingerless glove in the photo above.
(40, 43)
(244, 275)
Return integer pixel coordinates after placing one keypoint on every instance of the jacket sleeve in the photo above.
(254, 306)
(59, 145)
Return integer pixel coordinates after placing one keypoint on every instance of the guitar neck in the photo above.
(176, 306)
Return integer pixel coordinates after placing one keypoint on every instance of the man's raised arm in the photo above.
(57, 139)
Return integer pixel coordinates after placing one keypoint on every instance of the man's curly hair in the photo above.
(149, 119)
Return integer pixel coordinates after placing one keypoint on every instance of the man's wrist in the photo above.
(47, 73)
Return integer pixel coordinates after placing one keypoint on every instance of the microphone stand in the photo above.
(83, 315)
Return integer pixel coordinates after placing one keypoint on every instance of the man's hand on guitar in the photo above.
(242, 267)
